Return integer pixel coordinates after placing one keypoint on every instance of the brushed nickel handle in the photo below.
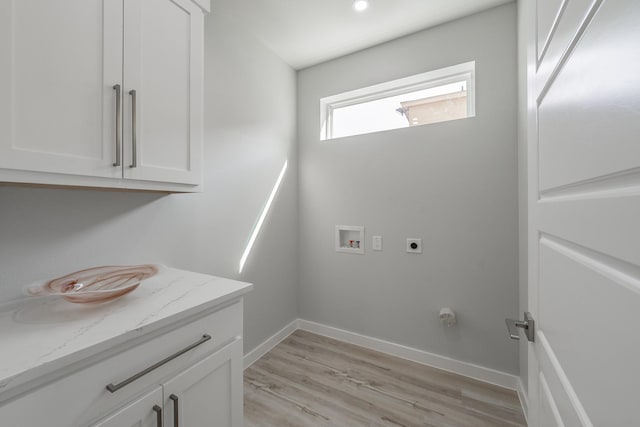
(176, 417)
(528, 324)
(158, 411)
(118, 90)
(134, 126)
(115, 387)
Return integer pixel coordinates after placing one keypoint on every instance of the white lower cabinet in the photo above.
(142, 412)
(186, 375)
(203, 395)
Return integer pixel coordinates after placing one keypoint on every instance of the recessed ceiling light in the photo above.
(360, 5)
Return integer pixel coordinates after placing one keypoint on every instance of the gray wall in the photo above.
(249, 133)
(452, 184)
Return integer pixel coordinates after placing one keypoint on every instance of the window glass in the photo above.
(432, 97)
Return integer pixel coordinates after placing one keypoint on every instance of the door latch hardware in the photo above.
(528, 324)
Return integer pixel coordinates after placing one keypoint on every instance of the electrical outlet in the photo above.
(414, 246)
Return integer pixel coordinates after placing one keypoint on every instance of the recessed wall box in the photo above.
(350, 238)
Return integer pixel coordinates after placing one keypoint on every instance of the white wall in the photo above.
(452, 184)
(249, 133)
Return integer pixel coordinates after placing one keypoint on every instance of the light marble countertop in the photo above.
(40, 335)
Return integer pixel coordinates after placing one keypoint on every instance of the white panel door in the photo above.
(163, 65)
(209, 393)
(584, 212)
(142, 412)
(60, 61)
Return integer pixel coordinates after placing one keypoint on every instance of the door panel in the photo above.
(549, 414)
(210, 392)
(588, 117)
(573, 14)
(570, 410)
(584, 272)
(163, 65)
(607, 224)
(608, 300)
(60, 62)
(549, 15)
(138, 413)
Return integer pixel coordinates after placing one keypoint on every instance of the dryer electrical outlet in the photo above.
(414, 246)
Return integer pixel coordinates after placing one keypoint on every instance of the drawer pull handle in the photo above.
(176, 417)
(158, 411)
(115, 387)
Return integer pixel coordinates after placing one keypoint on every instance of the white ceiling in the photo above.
(307, 32)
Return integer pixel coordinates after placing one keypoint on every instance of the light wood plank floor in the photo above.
(310, 380)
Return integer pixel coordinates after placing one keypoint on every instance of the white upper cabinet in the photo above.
(163, 65)
(68, 75)
(60, 61)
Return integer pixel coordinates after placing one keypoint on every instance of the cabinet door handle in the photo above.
(176, 417)
(134, 126)
(158, 411)
(118, 90)
(115, 387)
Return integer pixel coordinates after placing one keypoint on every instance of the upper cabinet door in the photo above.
(60, 62)
(163, 74)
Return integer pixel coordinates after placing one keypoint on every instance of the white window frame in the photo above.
(440, 77)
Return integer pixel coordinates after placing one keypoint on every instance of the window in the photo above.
(431, 97)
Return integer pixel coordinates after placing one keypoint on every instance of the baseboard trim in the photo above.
(262, 349)
(524, 400)
(466, 369)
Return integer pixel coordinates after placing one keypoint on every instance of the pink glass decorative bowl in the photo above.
(95, 285)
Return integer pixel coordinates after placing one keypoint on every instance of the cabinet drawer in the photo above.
(82, 397)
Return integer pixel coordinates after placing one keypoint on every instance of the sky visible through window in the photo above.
(382, 114)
